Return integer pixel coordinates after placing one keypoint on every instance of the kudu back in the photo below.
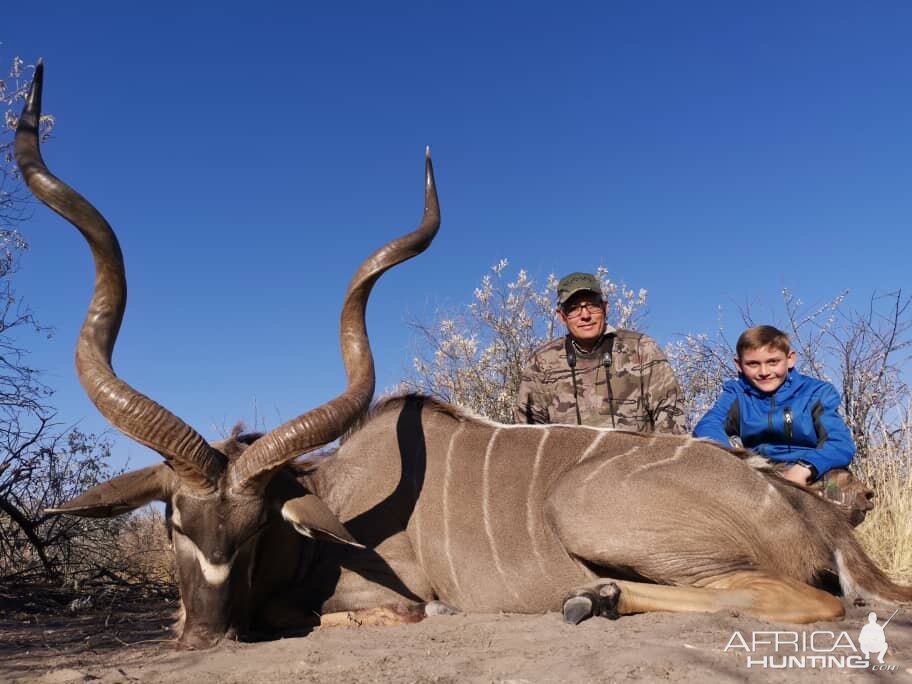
(241, 520)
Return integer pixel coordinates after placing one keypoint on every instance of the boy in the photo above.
(789, 418)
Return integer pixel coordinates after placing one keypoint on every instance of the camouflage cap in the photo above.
(569, 285)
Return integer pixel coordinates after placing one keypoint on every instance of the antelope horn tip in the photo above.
(32, 109)
(430, 187)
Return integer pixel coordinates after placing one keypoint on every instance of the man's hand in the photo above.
(797, 474)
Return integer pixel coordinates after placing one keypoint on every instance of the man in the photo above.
(598, 375)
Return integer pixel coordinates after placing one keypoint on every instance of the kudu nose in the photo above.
(201, 637)
(195, 641)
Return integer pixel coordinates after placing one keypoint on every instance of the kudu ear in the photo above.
(122, 494)
(312, 518)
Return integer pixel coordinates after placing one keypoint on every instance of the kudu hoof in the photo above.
(601, 601)
(609, 596)
(439, 608)
(579, 608)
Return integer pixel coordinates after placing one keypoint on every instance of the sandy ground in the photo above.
(132, 644)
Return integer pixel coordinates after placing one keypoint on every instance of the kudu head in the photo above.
(225, 497)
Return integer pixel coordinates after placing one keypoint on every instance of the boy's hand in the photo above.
(797, 474)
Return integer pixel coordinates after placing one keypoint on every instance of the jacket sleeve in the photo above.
(712, 425)
(835, 446)
(664, 399)
(531, 403)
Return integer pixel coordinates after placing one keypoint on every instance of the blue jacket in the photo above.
(797, 422)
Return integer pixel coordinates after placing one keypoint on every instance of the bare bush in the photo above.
(46, 467)
(40, 472)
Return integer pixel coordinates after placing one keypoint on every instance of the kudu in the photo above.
(482, 516)
(237, 512)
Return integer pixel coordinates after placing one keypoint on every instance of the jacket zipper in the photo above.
(787, 418)
(769, 418)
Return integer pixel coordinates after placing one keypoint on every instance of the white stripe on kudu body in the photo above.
(678, 452)
(591, 448)
(533, 503)
(448, 474)
(595, 473)
(485, 506)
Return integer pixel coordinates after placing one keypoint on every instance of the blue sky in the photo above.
(249, 155)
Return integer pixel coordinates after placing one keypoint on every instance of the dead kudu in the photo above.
(484, 517)
(238, 512)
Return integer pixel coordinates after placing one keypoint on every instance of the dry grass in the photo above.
(144, 551)
(886, 534)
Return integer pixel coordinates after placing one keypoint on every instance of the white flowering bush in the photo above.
(473, 355)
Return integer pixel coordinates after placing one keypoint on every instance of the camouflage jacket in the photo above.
(645, 393)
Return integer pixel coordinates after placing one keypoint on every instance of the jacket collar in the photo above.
(597, 349)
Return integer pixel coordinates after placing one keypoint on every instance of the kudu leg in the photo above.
(768, 597)
(296, 622)
(386, 615)
(382, 615)
(781, 599)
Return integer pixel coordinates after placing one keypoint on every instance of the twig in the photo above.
(142, 641)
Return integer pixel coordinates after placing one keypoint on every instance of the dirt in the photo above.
(51, 642)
